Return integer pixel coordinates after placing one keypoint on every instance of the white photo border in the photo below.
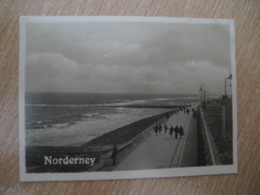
(133, 174)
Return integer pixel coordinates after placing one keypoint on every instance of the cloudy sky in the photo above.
(126, 57)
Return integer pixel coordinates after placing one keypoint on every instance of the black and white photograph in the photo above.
(126, 97)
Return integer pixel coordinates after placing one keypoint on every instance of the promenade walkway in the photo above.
(163, 150)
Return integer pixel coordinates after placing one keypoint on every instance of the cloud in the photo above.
(133, 57)
(55, 72)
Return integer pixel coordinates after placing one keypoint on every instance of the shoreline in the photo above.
(63, 121)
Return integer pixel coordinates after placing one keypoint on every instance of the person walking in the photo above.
(181, 131)
(176, 131)
(114, 154)
(171, 130)
(165, 128)
(156, 129)
(160, 128)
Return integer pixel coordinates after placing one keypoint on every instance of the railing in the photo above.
(208, 154)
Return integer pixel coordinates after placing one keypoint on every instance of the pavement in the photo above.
(165, 151)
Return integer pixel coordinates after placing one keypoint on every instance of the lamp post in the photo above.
(224, 109)
(207, 95)
(229, 77)
(202, 94)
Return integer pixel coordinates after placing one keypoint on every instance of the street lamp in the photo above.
(207, 96)
(224, 102)
(229, 77)
(202, 92)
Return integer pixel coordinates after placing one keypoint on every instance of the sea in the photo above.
(73, 119)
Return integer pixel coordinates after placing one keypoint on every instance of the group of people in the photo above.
(186, 111)
(178, 130)
(158, 128)
(193, 111)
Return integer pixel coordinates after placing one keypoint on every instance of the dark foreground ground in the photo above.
(97, 148)
(127, 138)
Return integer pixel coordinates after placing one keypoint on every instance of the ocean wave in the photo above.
(61, 125)
(65, 105)
(91, 114)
